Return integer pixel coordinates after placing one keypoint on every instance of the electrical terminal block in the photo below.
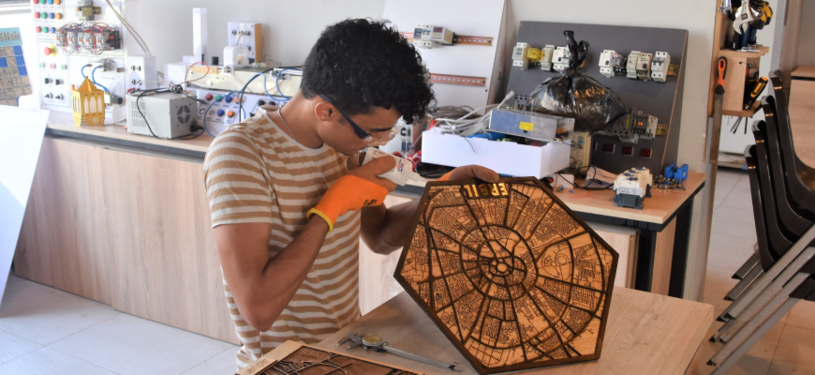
(609, 61)
(546, 57)
(645, 125)
(520, 55)
(644, 66)
(631, 64)
(660, 66)
(560, 58)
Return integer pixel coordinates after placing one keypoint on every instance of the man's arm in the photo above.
(262, 286)
(385, 230)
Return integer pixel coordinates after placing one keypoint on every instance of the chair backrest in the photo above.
(764, 249)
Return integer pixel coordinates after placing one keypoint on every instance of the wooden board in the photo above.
(625, 241)
(513, 278)
(662, 205)
(295, 358)
(663, 259)
(647, 334)
(166, 265)
(64, 241)
(802, 113)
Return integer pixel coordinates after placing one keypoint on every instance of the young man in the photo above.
(289, 201)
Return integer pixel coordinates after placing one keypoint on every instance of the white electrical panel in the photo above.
(520, 58)
(546, 57)
(224, 109)
(644, 66)
(249, 35)
(141, 73)
(560, 59)
(75, 33)
(609, 61)
(631, 65)
(659, 66)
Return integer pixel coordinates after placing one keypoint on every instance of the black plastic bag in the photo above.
(592, 105)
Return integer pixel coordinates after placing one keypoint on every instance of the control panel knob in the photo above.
(218, 98)
(49, 95)
(47, 80)
(39, 29)
(220, 112)
(209, 96)
(230, 114)
(59, 16)
(48, 51)
(261, 102)
(57, 82)
(228, 99)
(51, 15)
(59, 97)
(43, 15)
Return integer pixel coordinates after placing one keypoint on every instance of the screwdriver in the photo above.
(757, 90)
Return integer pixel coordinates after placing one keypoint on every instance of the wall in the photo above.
(806, 44)
(290, 27)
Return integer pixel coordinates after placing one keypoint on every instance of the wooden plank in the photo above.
(663, 258)
(802, 114)
(657, 209)
(376, 282)
(646, 334)
(734, 82)
(166, 267)
(804, 72)
(64, 242)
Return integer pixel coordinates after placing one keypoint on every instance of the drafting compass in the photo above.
(375, 343)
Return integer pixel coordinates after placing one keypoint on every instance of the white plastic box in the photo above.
(506, 158)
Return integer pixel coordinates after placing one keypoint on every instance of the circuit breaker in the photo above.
(644, 66)
(520, 58)
(546, 57)
(609, 61)
(560, 58)
(631, 64)
(659, 66)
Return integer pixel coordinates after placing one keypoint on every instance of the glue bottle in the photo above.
(401, 173)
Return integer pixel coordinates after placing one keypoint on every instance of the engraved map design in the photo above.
(515, 278)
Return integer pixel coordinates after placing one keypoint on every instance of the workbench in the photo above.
(664, 225)
(646, 334)
(123, 219)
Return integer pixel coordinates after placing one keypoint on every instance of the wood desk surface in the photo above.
(646, 334)
(657, 209)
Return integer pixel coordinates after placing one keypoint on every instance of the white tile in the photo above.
(734, 221)
(49, 361)
(16, 283)
(728, 251)
(13, 346)
(718, 283)
(221, 364)
(131, 345)
(739, 197)
(43, 314)
(803, 315)
(795, 353)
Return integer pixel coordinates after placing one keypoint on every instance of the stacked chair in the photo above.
(781, 272)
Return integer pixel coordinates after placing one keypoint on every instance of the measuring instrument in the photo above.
(377, 344)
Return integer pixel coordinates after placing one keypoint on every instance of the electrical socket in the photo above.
(141, 73)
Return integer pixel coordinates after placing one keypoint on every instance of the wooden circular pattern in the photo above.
(512, 277)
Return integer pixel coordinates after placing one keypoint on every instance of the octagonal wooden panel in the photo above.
(513, 278)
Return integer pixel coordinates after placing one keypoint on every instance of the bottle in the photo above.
(401, 173)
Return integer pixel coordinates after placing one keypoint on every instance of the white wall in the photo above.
(806, 42)
(290, 27)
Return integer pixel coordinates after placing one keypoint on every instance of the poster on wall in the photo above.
(14, 80)
(22, 131)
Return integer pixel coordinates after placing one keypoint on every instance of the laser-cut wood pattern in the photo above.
(511, 276)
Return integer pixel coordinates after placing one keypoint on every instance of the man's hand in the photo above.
(468, 172)
(374, 168)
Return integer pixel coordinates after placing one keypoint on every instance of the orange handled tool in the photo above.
(722, 65)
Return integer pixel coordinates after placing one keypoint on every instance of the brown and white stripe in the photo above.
(254, 172)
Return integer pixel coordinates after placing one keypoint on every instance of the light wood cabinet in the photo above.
(126, 229)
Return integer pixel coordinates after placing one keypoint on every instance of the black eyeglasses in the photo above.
(361, 133)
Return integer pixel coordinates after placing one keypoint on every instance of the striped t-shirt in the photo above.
(255, 172)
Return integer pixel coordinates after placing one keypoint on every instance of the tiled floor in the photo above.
(47, 331)
(789, 347)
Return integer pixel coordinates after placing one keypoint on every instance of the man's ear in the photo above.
(324, 111)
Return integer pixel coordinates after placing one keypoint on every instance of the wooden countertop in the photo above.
(804, 71)
(646, 334)
(64, 123)
(658, 209)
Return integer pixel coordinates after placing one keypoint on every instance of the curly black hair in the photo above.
(361, 64)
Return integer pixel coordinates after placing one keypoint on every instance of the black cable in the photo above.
(176, 89)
